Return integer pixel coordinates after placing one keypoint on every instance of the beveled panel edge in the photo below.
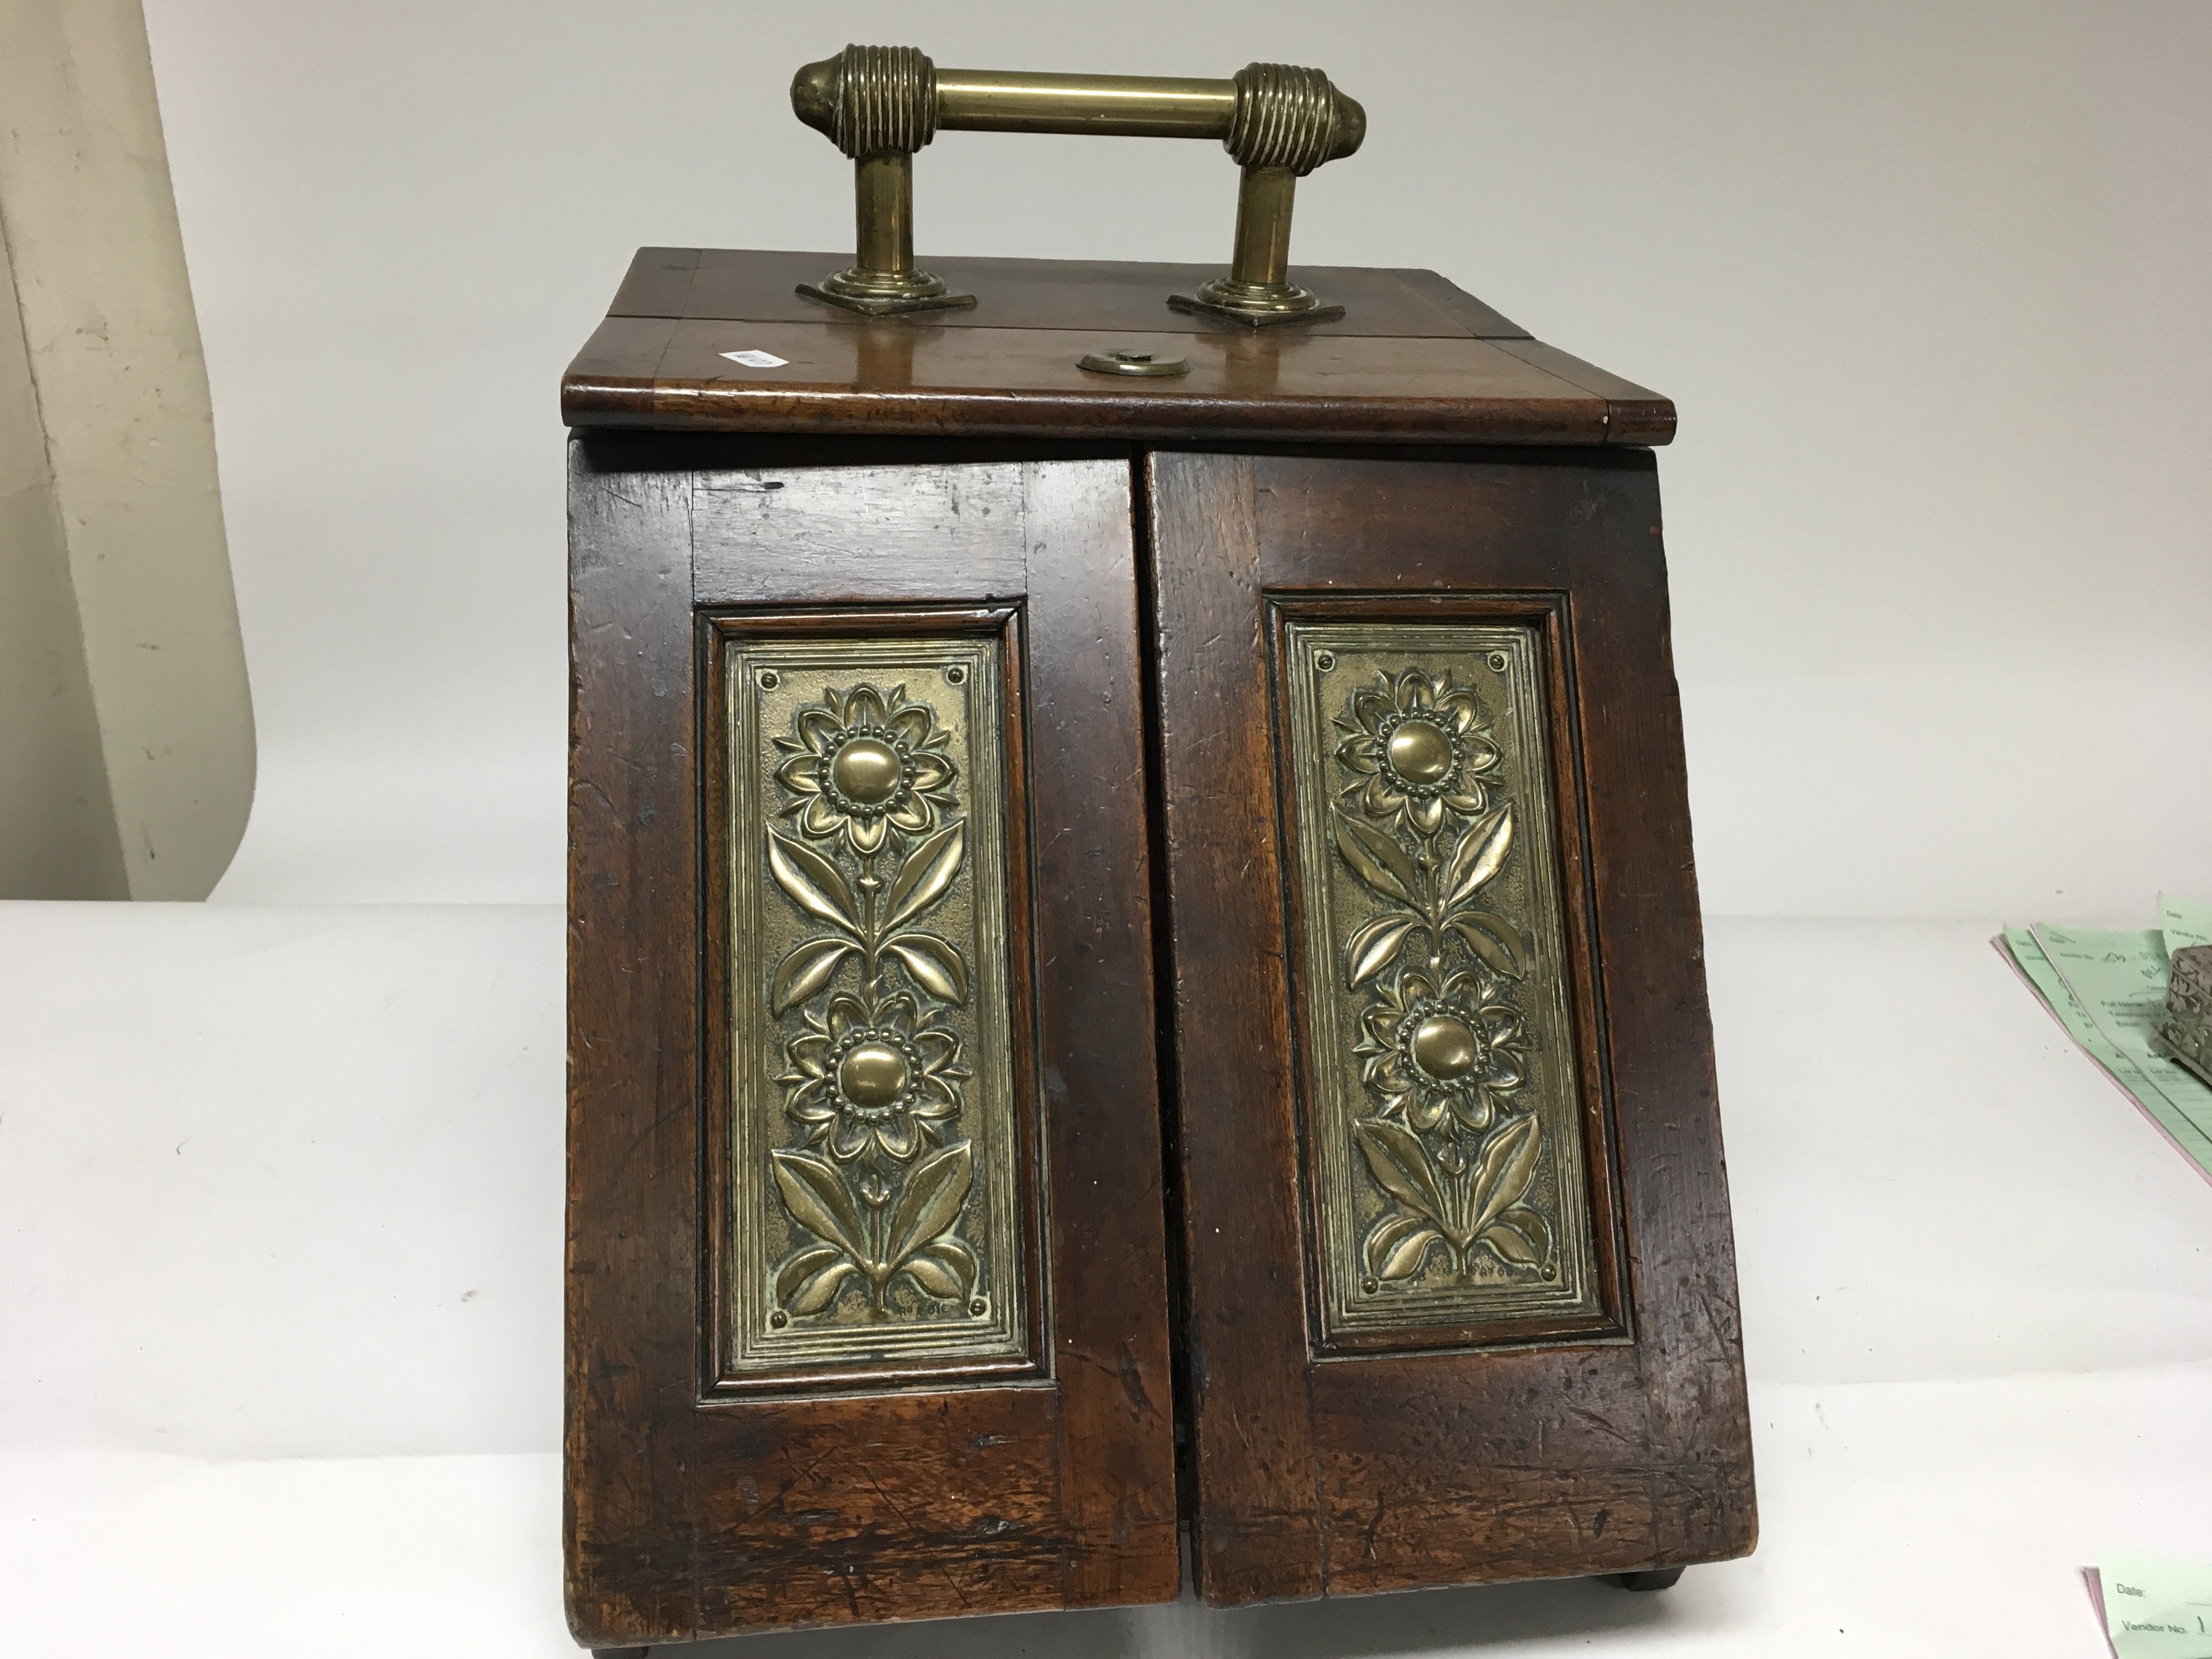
(1636, 415)
(1573, 420)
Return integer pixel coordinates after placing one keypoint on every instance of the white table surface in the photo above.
(280, 1242)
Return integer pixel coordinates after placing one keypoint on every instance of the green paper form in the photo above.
(2156, 1609)
(2184, 922)
(2108, 989)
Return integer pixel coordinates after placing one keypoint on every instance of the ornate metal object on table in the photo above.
(881, 104)
(2186, 1031)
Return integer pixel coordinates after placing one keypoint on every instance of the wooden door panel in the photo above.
(1461, 1286)
(866, 1257)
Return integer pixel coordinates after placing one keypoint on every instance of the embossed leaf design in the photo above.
(1521, 1236)
(936, 965)
(1375, 946)
(1405, 1257)
(927, 872)
(1395, 1249)
(935, 1275)
(804, 971)
(804, 1266)
(1377, 860)
(818, 1199)
(931, 1201)
(956, 1254)
(1495, 941)
(1480, 855)
(1508, 1165)
(815, 885)
(1401, 1164)
(820, 1291)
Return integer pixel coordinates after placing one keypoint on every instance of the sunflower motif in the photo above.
(1433, 1051)
(1420, 747)
(873, 1073)
(864, 763)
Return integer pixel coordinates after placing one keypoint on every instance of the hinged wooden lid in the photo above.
(1414, 360)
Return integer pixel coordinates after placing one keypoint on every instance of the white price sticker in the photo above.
(756, 359)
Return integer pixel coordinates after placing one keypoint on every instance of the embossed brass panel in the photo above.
(873, 1138)
(1445, 1138)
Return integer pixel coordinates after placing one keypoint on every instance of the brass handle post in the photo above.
(881, 104)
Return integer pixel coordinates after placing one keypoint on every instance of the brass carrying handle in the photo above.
(881, 104)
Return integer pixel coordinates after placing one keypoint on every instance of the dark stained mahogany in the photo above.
(691, 1515)
(1566, 1456)
(1138, 541)
(1414, 360)
(728, 285)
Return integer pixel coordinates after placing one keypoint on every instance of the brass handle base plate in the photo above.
(1254, 309)
(888, 307)
(875, 293)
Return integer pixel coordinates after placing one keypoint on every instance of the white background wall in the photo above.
(1928, 282)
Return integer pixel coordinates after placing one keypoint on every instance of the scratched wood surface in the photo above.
(689, 1515)
(1391, 1471)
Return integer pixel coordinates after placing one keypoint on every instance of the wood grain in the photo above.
(1479, 319)
(690, 1515)
(1095, 1024)
(1635, 415)
(1566, 1457)
(1419, 457)
(1414, 360)
(761, 286)
(785, 535)
(1253, 1455)
(906, 379)
(633, 1057)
